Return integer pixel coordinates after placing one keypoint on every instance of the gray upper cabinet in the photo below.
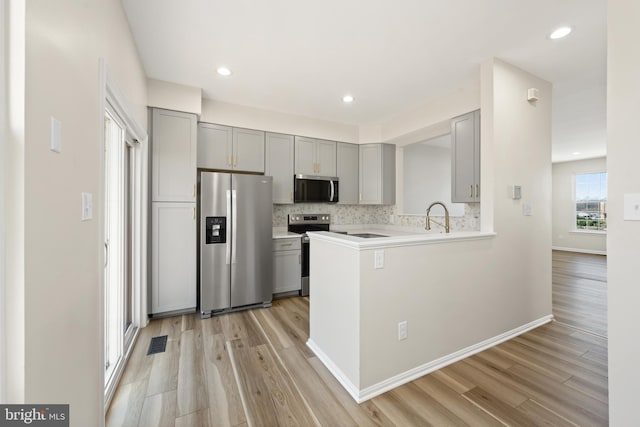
(315, 157)
(347, 172)
(326, 157)
(465, 158)
(279, 165)
(248, 150)
(377, 174)
(174, 151)
(228, 148)
(215, 146)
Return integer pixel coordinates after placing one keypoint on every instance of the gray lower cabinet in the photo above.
(229, 148)
(377, 174)
(287, 258)
(465, 158)
(173, 257)
(279, 164)
(347, 172)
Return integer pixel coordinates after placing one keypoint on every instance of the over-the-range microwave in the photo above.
(315, 189)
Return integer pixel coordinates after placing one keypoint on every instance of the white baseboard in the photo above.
(582, 251)
(397, 380)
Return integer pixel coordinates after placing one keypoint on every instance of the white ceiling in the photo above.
(301, 57)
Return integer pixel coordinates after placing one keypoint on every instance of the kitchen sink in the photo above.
(367, 235)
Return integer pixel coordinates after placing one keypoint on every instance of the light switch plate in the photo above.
(632, 207)
(87, 206)
(55, 139)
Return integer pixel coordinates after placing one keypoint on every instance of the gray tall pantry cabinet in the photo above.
(173, 211)
(279, 164)
(465, 158)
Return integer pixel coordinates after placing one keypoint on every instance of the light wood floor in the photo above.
(580, 291)
(253, 368)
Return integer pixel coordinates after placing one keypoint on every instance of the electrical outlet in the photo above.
(378, 259)
(402, 330)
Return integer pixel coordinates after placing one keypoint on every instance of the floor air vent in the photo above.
(157, 345)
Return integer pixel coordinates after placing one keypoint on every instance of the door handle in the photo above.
(471, 190)
(331, 191)
(193, 213)
(106, 254)
(228, 244)
(229, 160)
(234, 226)
(477, 190)
(235, 160)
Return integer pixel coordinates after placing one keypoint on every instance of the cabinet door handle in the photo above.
(360, 197)
(471, 190)
(477, 190)
(193, 191)
(193, 213)
(291, 196)
(229, 160)
(235, 160)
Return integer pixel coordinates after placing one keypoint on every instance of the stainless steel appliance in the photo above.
(315, 189)
(301, 224)
(235, 242)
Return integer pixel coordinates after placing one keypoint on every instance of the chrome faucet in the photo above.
(446, 217)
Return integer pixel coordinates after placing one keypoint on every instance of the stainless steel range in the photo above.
(301, 224)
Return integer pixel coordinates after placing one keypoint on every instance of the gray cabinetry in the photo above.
(248, 150)
(215, 146)
(228, 148)
(347, 172)
(377, 174)
(315, 156)
(287, 265)
(465, 158)
(279, 165)
(173, 204)
(173, 257)
(173, 158)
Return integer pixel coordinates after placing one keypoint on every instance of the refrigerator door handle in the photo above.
(234, 220)
(228, 244)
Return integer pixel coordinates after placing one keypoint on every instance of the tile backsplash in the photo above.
(375, 214)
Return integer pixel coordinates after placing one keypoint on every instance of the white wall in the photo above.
(65, 40)
(14, 199)
(437, 112)
(173, 96)
(623, 152)
(564, 207)
(505, 281)
(273, 121)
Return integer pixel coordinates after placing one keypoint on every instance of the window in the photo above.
(591, 201)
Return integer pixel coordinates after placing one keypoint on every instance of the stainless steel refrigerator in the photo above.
(235, 242)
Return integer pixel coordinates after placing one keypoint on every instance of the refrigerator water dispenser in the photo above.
(216, 229)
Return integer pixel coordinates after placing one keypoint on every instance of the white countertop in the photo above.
(282, 233)
(395, 237)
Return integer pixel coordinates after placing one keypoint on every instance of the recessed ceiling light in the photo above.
(575, 153)
(224, 71)
(560, 33)
(347, 99)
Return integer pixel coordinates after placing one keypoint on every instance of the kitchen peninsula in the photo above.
(387, 310)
